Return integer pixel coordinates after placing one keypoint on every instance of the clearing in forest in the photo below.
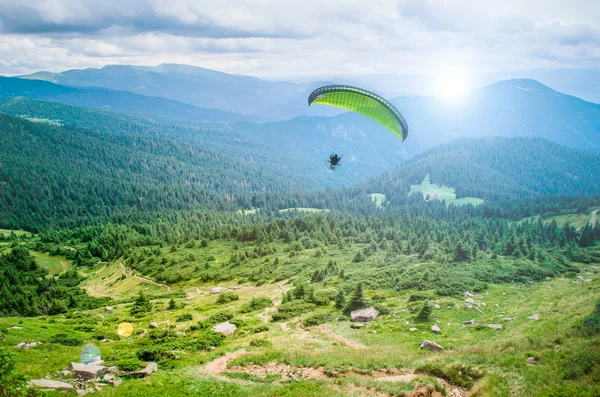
(433, 191)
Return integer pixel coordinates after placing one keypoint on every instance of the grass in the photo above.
(441, 192)
(302, 209)
(576, 219)
(7, 232)
(54, 264)
(378, 199)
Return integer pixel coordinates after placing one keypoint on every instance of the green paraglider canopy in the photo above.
(364, 102)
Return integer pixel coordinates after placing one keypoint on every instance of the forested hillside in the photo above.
(58, 175)
(122, 101)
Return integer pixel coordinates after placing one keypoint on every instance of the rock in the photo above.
(217, 290)
(470, 300)
(587, 280)
(429, 345)
(109, 309)
(494, 326)
(151, 367)
(16, 327)
(435, 329)
(154, 324)
(108, 377)
(101, 316)
(469, 322)
(436, 306)
(50, 384)
(65, 373)
(412, 329)
(226, 328)
(177, 358)
(116, 382)
(534, 317)
(87, 372)
(478, 310)
(368, 314)
(82, 392)
(397, 378)
(507, 319)
(357, 325)
(468, 294)
(510, 349)
(114, 370)
(531, 361)
(436, 315)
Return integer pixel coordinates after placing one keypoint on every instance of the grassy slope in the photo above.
(577, 220)
(440, 192)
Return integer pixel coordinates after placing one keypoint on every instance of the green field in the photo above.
(305, 210)
(54, 264)
(434, 191)
(576, 219)
(378, 199)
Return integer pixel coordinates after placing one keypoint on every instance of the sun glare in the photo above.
(450, 83)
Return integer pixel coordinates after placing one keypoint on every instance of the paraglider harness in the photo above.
(334, 160)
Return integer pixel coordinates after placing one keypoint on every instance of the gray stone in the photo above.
(153, 324)
(357, 325)
(65, 373)
(468, 294)
(217, 290)
(225, 328)
(109, 309)
(108, 377)
(116, 382)
(494, 326)
(531, 361)
(87, 372)
(50, 384)
(534, 317)
(507, 319)
(82, 392)
(151, 367)
(368, 314)
(114, 370)
(412, 329)
(469, 322)
(435, 329)
(430, 345)
(436, 306)
(478, 310)
(470, 300)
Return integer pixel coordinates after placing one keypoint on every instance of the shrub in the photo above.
(315, 319)
(155, 354)
(129, 364)
(141, 305)
(592, 322)
(261, 343)
(184, 317)
(11, 384)
(457, 374)
(256, 304)
(425, 312)
(65, 340)
(292, 309)
(205, 341)
(227, 297)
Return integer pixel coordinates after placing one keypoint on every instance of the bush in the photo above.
(129, 364)
(260, 328)
(592, 322)
(65, 340)
(261, 343)
(205, 341)
(227, 297)
(155, 354)
(292, 309)
(141, 305)
(11, 384)
(315, 319)
(184, 317)
(256, 304)
(425, 312)
(457, 374)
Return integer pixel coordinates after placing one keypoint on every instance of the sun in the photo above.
(450, 83)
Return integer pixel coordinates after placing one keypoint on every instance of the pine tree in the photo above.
(357, 301)
(340, 300)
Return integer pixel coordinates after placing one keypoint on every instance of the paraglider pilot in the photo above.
(334, 160)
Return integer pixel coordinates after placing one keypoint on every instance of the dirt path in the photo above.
(219, 365)
(145, 279)
(354, 345)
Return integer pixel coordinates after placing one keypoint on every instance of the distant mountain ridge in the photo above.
(123, 101)
(272, 100)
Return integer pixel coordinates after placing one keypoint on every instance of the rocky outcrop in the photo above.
(429, 345)
(48, 384)
(368, 314)
(217, 290)
(87, 372)
(226, 328)
(151, 367)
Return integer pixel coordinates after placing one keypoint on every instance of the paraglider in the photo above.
(364, 102)
(334, 160)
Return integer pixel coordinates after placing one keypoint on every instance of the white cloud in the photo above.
(294, 39)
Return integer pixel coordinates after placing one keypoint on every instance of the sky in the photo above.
(294, 40)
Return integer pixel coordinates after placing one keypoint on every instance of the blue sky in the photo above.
(290, 39)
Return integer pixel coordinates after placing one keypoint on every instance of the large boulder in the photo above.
(217, 290)
(87, 372)
(48, 384)
(151, 367)
(226, 328)
(368, 314)
(429, 345)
